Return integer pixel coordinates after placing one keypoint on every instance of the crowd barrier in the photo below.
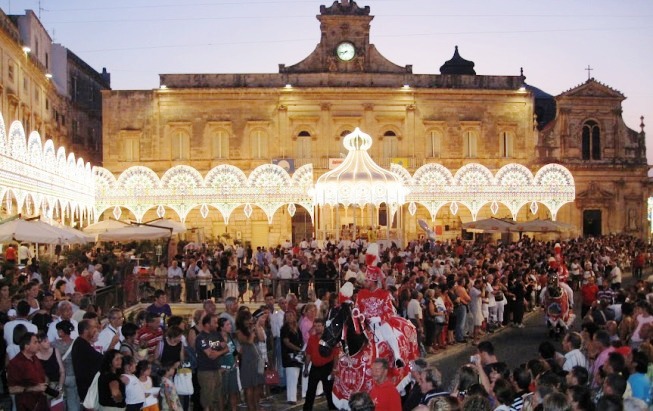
(143, 288)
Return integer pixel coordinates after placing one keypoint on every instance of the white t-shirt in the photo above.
(9, 332)
(134, 390)
(105, 337)
(414, 310)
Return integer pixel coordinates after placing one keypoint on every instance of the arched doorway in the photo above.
(592, 223)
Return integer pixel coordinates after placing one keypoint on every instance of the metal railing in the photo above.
(191, 291)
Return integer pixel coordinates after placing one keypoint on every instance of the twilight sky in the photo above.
(554, 40)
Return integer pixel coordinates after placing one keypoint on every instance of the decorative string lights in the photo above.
(36, 177)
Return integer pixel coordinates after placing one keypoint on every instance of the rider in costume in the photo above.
(375, 302)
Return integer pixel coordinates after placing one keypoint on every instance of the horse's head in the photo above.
(333, 328)
(553, 285)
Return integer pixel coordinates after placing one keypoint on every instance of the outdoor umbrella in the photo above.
(72, 235)
(489, 225)
(30, 231)
(540, 226)
(104, 225)
(176, 226)
(134, 233)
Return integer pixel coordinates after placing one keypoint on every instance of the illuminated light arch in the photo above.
(36, 175)
(66, 187)
(34, 149)
(474, 186)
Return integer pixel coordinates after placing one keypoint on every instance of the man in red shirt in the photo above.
(320, 368)
(83, 283)
(26, 378)
(384, 393)
(589, 293)
(10, 254)
(150, 335)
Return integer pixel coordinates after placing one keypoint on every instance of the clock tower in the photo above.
(345, 44)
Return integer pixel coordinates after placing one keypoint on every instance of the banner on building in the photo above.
(287, 164)
(335, 162)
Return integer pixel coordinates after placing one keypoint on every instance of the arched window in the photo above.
(390, 144)
(506, 144)
(180, 145)
(259, 144)
(591, 141)
(469, 144)
(220, 143)
(433, 139)
(303, 146)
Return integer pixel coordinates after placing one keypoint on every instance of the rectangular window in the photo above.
(220, 144)
(73, 88)
(131, 149)
(10, 71)
(304, 147)
(180, 146)
(259, 144)
(506, 144)
(390, 147)
(469, 144)
(433, 144)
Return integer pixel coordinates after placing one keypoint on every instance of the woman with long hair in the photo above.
(228, 365)
(64, 344)
(251, 365)
(291, 345)
(111, 389)
(255, 283)
(50, 359)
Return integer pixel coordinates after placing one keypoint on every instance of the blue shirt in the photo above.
(641, 386)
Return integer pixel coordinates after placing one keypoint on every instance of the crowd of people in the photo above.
(454, 292)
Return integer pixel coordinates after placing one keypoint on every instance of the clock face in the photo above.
(346, 51)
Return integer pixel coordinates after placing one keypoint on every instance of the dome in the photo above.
(359, 180)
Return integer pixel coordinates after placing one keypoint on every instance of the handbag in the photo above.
(92, 399)
(271, 376)
(184, 381)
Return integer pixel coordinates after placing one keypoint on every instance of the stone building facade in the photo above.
(36, 87)
(300, 115)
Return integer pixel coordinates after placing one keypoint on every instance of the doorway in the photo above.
(592, 223)
(302, 226)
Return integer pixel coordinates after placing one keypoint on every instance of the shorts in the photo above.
(210, 387)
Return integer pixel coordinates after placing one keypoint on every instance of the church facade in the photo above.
(301, 114)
